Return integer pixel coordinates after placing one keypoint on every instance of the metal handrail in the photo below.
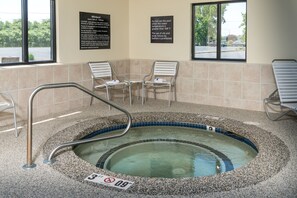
(30, 164)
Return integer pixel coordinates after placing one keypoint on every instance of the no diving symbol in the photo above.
(210, 128)
(109, 180)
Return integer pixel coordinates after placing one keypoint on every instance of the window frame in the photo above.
(25, 38)
(219, 29)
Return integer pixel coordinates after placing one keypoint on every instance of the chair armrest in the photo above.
(95, 80)
(285, 60)
(146, 76)
(8, 96)
(121, 78)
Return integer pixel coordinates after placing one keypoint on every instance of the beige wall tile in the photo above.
(252, 73)
(86, 72)
(185, 69)
(186, 85)
(267, 76)
(61, 73)
(208, 83)
(135, 68)
(75, 73)
(216, 101)
(23, 99)
(252, 105)
(61, 95)
(233, 90)
(45, 110)
(233, 72)
(216, 71)
(135, 77)
(60, 107)
(164, 95)
(45, 75)
(8, 79)
(27, 77)
(233, 103)
(87, 84)
(121, 67)
(216, 88)
(251, 91)
(186, 97)
(199, 99)
(146, 66)
(201, 87)
(200, 71)
(266, 90)
(74, 104)
(45, 97)
(75, 94)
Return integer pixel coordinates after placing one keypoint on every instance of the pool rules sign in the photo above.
(94, 31)
(162, 29)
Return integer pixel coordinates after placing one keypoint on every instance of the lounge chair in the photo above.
(285, 96)
(104, 77)
(9, 104)
(163, 75)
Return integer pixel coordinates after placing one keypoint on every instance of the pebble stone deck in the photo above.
(271, 174)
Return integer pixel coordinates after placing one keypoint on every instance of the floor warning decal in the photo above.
(109, 181)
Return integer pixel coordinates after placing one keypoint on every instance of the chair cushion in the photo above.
(112, 82)
(159, 80)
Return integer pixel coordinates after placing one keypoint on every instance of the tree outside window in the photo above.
(219, 31)
(27, 31)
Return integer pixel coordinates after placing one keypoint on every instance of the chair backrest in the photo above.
(6, 105)
(101, 69)
(165, 68)
(285, 73)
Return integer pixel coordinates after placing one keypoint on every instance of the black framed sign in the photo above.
(94, 31)
(162, 29)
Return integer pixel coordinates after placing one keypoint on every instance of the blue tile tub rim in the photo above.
(176, 124)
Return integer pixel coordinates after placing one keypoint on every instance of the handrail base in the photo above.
(46, 161)
(29, 166)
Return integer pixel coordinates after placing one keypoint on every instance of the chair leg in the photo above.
(108, 97)
(138, 91)
(266, 104)
(169, 96)
(93, 89)
(155, 93)
(143, 94)
(124, 94)
(91, 100)
(15, 122)
(174, 93)
(130, 93)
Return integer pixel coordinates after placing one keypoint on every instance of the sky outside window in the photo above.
(11, 9)
(233, 17)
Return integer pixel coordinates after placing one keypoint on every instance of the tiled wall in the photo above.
(237, 85)
(21, 81)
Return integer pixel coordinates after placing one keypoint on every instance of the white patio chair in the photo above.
(163, 75)
(285, 96)
(9, 104)
(104, 77)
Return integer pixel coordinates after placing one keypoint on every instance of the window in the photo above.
(219, 31)
(27, 31)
